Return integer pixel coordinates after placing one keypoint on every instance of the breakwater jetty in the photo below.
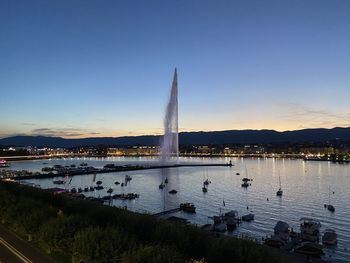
(108, 168)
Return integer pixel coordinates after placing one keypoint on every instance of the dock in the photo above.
(166, 212)
(115, 169)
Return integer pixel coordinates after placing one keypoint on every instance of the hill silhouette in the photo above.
(191, 138)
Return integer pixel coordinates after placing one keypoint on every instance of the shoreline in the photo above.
(264, 156)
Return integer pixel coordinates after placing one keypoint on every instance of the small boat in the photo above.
(207, 182)
(58, 182)
(110, 190)
(237, 173)
(173, 192)
(86, 189)
(274, 241)
(99, 187)
(279, 192)
(329, 206)
(245, 179)
(80, 190)
(99, 182)
(310, 229)
(161, 186)
(245, 184)
(4, 163)
(204, 189)
(92, 188)
(116, 183)
(83, 164)
(188, 207)
(309, 249)
(73, 190)
(329, 237)
(122, 184)
(128, 178)
(166, 180)
(248, 217)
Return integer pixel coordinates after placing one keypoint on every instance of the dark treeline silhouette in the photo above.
(71, 230)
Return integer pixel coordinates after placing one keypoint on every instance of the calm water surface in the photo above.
(305, 191)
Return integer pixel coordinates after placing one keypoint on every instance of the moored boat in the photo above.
(329, 237)
(188, 207)
(309, 249)
(245, 184)
(206, 182)
(128, 178)
(279, 192)
(99, 187)
(4, 163)
(58, 181)
(310, 229)
(248, 217)
(274, 241)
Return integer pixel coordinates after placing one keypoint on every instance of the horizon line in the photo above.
(155, 135)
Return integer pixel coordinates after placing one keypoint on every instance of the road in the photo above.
(16, 250)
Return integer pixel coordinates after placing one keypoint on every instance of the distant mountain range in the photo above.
(194, 138)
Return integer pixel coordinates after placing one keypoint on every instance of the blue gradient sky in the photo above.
(104, 68)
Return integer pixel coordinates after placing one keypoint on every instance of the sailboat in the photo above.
(279, 192)
(205, 183)
(329, 206)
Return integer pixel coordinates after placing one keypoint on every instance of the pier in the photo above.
(92, 170)
(166, 212)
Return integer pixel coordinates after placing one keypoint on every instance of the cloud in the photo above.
(28, 124)
(62, 132)
(308, 117)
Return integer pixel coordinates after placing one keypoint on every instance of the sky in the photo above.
(87, 68)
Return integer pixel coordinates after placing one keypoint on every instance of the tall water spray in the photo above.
(170, 143)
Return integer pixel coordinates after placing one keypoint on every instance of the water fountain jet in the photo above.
(170, 143)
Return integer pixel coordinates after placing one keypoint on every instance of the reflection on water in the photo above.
(305, 191)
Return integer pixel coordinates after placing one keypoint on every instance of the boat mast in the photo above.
(279, 179)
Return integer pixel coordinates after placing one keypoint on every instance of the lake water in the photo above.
(305, 191)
